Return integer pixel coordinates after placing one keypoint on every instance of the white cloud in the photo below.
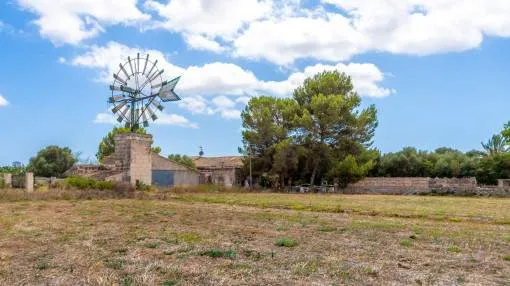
(226, 78)
(174, 119)
(417, 27)
(196, 105)
(204, 20)
(228, 85)
(106, 118)
(243, 100)
(3, 101)
(230, 113)
(163, 119)
(366, 79)
(62, 60)
(72, 21)
(223, 102)
(200, 42)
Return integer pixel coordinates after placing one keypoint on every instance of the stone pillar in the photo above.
(8, 180)
(29, 181)
(53, 181)
(133, 154)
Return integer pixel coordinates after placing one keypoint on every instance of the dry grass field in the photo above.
(256, 239)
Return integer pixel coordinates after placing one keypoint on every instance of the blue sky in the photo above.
(437, 71)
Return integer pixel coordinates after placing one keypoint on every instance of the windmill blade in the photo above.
(118, 107)
(153, 66)
(118, 78)
(146, 61)
(137, 62)
(157, 105)
(156, 74)
(159, 84)
(151, 77)
(130, 65)
(115, 98)
(153, 116)
(124, 70)
(122, 114)
(145, 121)
(127, 89)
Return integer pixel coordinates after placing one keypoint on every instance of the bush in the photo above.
(216, 253)
(88, 183)
(287, 242)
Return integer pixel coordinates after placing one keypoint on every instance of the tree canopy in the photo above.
(182, 159)
(52, 161)
(302, 139)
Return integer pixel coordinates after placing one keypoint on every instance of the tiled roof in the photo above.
(225, 162)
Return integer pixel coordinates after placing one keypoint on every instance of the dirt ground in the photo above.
(256, 239)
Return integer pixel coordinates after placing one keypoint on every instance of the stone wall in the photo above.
(383, 185)
(453, 185)
(412, 185)
(223, 177)
(132, 154)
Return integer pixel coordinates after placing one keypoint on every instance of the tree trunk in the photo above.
(314, 172)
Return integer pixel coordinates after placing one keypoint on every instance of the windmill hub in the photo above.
(138, 90)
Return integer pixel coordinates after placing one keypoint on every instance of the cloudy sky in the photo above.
(437, 70)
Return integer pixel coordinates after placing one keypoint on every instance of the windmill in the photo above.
(138, 90)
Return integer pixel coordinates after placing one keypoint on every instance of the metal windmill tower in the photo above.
(138, 90)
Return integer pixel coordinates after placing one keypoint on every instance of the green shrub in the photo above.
(88, 183)
(506, 258)
(406, 243)
(287, 242)
(454, 248)
(216, 253)
(41, 266)
(140, 186)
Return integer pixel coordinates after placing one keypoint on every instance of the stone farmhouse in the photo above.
(134, 162)
(220, 170)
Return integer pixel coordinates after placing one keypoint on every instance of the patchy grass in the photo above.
(216, 253)
(454, 248)
(221, 238)
(406, 243)
(287, 242)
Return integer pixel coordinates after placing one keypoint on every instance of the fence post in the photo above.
(29, 181)
(53, 181)
(8, 180)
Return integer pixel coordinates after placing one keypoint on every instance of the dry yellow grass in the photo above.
(238, 239)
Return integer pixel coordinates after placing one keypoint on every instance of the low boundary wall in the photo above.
(423, 185)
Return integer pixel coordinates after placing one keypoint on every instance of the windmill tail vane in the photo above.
(137, 88)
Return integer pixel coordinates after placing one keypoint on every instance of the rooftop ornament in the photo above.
(138, 89)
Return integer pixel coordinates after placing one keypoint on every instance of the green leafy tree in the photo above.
(107, 145)
(182, 159)
(506, 132)
(156, 150)
(52, 161)
(286, 160)
(495, 145)
(350, 170)
(267, 121)
(331, 124)
(298, 139)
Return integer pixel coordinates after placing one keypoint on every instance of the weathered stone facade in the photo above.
(219, 170)
(133, 157)
(413, 185)
(134, 162)
(8, 180)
